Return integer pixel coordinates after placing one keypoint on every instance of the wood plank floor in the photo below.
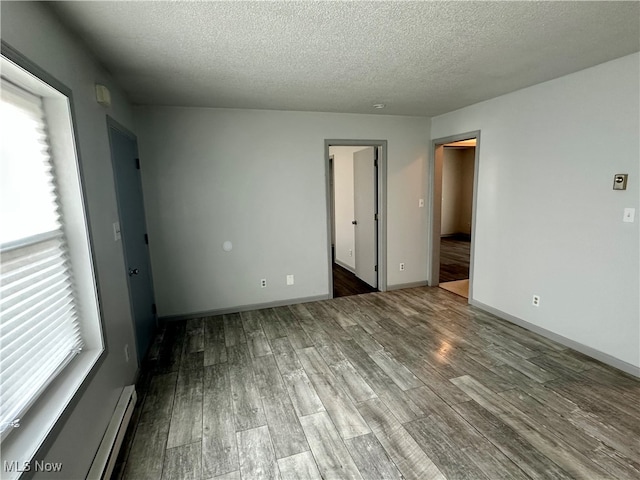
(412, 384)
(459, 287)
(455, 252)
(346, 283)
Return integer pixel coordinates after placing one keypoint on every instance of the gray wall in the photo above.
(548, 221)
(257, 178)
(36, 33)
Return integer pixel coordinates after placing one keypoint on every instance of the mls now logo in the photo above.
(37, 466)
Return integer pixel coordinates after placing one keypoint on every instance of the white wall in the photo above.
(257, 178)
(344, 213)
(548, 221)
(36, 33)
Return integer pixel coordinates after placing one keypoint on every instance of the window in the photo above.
(50, 328)
(39, 333)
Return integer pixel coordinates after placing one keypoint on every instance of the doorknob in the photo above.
(133, 271)
(354, 222)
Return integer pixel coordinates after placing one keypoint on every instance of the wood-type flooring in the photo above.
(346, 283)
(412, 384)
(455, 252)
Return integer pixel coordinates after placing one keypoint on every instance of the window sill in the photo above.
(46, 415)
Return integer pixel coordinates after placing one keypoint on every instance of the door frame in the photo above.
(381, 204)
(435, 206)
(332, 199)
(111, 123)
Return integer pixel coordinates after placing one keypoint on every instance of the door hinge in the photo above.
(154, 310)
(146, 239)
(137, 163)
(375, 217)
(375, 268)
(375, 156)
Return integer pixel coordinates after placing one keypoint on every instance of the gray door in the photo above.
(364, 198)
(126, 168)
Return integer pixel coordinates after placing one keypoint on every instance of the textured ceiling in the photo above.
(418, 58)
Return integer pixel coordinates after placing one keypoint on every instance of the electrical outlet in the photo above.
(536, 301)
(290, 280)
(263, 283)
(126, 353)
(629, 215)
(350, 253)
(402, 267)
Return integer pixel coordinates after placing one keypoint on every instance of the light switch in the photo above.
(629, 215)
(116, 231)
(421, 203)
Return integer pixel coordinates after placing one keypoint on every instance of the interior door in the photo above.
(126, 166)
(364, 193)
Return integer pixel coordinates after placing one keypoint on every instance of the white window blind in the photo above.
(39, 330)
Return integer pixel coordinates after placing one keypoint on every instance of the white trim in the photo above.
(46, 412)
(345, 266)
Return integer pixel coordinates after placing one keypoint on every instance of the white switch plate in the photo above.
(421, 202)
(116, 231)
(290, 280)
(629, 215)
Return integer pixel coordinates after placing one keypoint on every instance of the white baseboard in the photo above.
(345, 266)
(567, 342)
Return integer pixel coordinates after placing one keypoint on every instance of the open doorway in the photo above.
(356, 176)
(454, 172)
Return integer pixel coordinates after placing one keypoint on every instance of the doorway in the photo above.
(356, 216)
(454, 170)
(133, 233)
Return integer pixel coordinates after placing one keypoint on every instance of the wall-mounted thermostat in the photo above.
(620, 181)
(103, 96)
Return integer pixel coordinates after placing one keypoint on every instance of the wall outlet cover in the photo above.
(629, 215)
(620, 181)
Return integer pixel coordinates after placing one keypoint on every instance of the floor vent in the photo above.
(105, 459)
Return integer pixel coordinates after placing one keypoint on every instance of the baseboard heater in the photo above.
(105, 459)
